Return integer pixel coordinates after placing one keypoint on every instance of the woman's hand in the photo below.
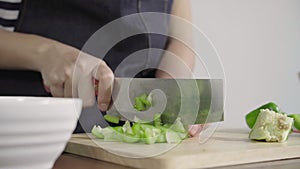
(66, 71)
(195, 129)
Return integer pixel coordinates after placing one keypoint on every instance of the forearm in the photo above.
(183, 52)
(177, 62)
(21, 51)
(180, 58)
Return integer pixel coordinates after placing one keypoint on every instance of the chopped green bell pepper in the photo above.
(112, 119)
(143, 102)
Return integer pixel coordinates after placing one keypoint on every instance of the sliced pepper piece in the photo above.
(151, 135)
(128, 138)
(112, 134)
(97, 132)
(112, 119)
(178, 126)
(126, 128)
(136, 127)
(139, 105)
(145, 100)
(162, 137)
(172, 136)
(157, 120)
(118, 129)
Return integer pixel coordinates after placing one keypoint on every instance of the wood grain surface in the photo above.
(226, 147)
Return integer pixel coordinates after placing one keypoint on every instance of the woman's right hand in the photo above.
(68, 72)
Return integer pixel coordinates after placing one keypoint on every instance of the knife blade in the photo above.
(195, 101)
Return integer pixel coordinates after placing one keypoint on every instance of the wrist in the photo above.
(40, 52)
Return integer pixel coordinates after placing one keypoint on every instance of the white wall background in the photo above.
(259, 46)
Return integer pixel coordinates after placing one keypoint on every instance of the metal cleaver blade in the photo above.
(195, 101)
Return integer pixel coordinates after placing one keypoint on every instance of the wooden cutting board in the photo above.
(225, 147)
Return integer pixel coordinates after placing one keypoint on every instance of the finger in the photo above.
(75, 89)
(86, 91)
(96, 85)
(195, 129)
(57, 90)
(68, 88)
(46, 87)
(105, 78)
(77, 75)
(104, 93)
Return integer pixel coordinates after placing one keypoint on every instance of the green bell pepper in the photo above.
(296, 118)
(252, 116)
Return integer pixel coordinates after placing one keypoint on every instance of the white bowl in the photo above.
(34, 130)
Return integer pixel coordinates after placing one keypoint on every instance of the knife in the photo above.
(195, 101)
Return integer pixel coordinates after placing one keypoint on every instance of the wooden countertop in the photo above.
(67, 161)
(227, 148)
